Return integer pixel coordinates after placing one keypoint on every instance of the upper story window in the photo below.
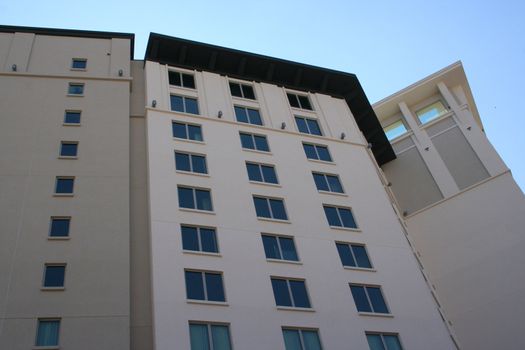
(369, 299)
(290, 292)
(301, 339)
(184, 104)
(339, 216)
(327, 182)
(72, 117)
(75, 89)
(279, 247)
(317, 152)
(47, 332)
(271, 208)
(261, 173)
(64, 185)
(395, 130)
(194, 198)
(59, 227)
(242, 90)
(204, 285)
(54, 275)
(181, 79)
(248, 115)
(255, 142)
(308, 126)
(383, 341)
(79, 63)
(353, 255)
(200, 239)
(190, 162)
(209, 336)
(187, 131)
(68, 149)
(299, 101)
(431, 112)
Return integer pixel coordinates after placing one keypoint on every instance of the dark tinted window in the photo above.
(54, 276)
(278, 247)
(278, 211)
(204, 286)
(360, 299)
(271, 247)
(214, 286)
(59, 227)
(79, 63)
(299, 295)
(304, 102)
(241, 90)
(203, 199)
(181, 79)
(261, 207)
(184, 104)
(353, 255)
(47, 333)
(188, 81)
(261, 144)
(317, 152)
(194, 285)
(186, 131)
(308, 126)
(182, 161)
(340, 217)
(281, 292)
(290, 293)
(194, 132)
(270, 208)
(193, 198)
(71, 117)
(68, 149)
(247, 91)
(190, 162)
(191, 105)
(299, 101)
(261, 173)
(75, 89)
(235, 89)
(190, 238)
(247, 115)
(186, 199)
(368, 299)
(64, 185)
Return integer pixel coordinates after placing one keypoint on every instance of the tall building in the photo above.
(208, 198)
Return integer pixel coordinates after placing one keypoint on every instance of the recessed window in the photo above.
(299, 101)
(317, 152)
(64, 185)
(186, 131)
(339, 216)
(431, 112)
(247, 115)
(59, 227)
(271, 208)
(308, 126)
(261, 173)
(190, 162)
(72, 117)
(54, 276)
(181, 79)
(199, 239)
(242, 90)
(68, 149)
(395, 130)
(194, 198)
(47, 332)
(75, 89)
(383, 341)
(255, 142)
(369, 299)
(279, 247)
(184, 104)
(209, 336)
(290, 292)
(78, 63)
(327, 182)
(203, 285)
(353, 255)
(301, 339)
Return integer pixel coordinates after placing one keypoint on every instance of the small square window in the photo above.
(64, 185)
(200, 239)
(242, 90)
(72, 117)
(59, 227)
(261, 173)
(184, 104)
(68, 149)
(353, 255)
(383, 341)
(204, 285)
(186, 131)
(194, 198)
(248, 115)
(317, 152)
(79, 63)
(301, 339)
(339, 216)
(369, 299)
(279, 247)
(255, 142)
(209, 336)
(181, 79)
(290, 292)
(395, 130)
(54, 275)
(299, 101)
(190, 162)
(327, 182)
(308, 126)
(271, 208)
(47, 332)
(75, 89)
(431, 112)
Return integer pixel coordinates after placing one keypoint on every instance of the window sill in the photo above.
(359, 268)
(67, 157)
(79, 69)
(333, 193)
(346, 229)
(207, 302)
(198, 252)
(321, 161)
(63, 195)
(250, 124)
(186, 114)
(75, 95)
(375, 314)
(53, 289)
(71, 124)
(290, 308)
(58, 238)
(282, 261)
(244, 99)
(274, 220)
(257, 151)
(189, 140)
(192, 173)
(209, 212)
(264, 183)
(46, 347)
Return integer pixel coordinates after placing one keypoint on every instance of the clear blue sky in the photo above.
(387, 44)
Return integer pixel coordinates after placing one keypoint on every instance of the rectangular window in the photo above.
(272, 208)
(299, 101)
(199, 239)
(383, 341)
(242, 90)
(327, 182)
(247, 115)
(279, 247)
(290, 292)
(255, 142)
(59, 227)
(47, 332)
(190, 162)
(204, 285)
(184, 104)
(339, 216)
(209, 336)
(301, 339)
(395, 130)
(431, 112)
(79, 63)
(308, 126)
(186, 131)
(72, 117)
(369, 299)
(261, 173)
(353, 255)
(75, 89)
(317, 152)
(54, 275)
(68, 149)
(64, 185)
(181, 79)
(194, 198)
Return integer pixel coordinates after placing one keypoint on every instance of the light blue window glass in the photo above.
(392, 342)
(199, 338)
(75, 89)
(311, 340)
(47, 333)
(301, 339)
(375, 342)
(220, 337)
(382, 341)
(395, 130)
(292, 339)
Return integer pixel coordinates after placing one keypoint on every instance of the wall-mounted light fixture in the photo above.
(283, 125)
(154, 103)
(219, 114)
(343, 135)
(13, 67)
(120, 72)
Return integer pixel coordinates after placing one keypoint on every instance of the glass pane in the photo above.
(360, 299)
(269, 174)
(261, 143)
(310, 152)
(247, 141)
(301, 125)
(182, 161)
(76, 89)
(220, 337)
(331, 216)
(47, 334)
(54, 276)
(199, 337)
(347, 217)
(174, 78)
(254, 116)
(59, 228)
(247, 91)
(345, 254)
(323, 153)
(188, 81)
(261, 207)
(280, 292)
(375, 342)
(271, 249)
(311, 340)
(235, 89)
(392, 342)
(195, 132)
(194, 285)
(64, 186)
(190, 240)
(431, 112)
(361, 256)
(376, 298)
(313, 126)
(186, 198)
(292, 340)
(278, 211)
(240, 114)
(288, 249)
(199, 164)
(208, 240)
(254, 173)
(203, 198)
(320, 182)
(72, 118)
(179, 130)
(305, 102)
(394, 130)
(176, 103)
(68, 149)
(79, 64)
(293, 100)
(299, 295)
(214, 287)
(335, 185)
(191, 105)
